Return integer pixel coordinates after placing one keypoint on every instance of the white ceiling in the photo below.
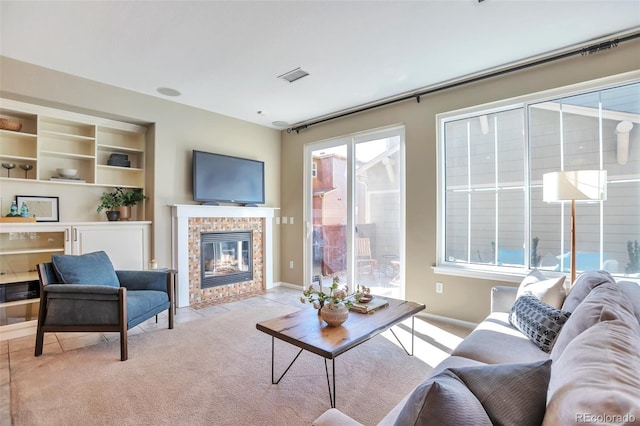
(225, 56)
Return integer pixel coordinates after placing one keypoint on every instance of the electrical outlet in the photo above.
(291, 264)
(440, 288)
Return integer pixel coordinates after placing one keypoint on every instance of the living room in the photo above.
(178, 129)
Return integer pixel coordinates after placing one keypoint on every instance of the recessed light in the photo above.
(167, 91)
(261, 112)
(280, 124)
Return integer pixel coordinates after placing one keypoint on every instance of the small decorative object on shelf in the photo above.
(153, 264)
(8, 166)
(26, 168)
(13, 210)
(334, 306)
(8, 124)
(24, 210)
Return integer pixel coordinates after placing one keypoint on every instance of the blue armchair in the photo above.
(85, 293)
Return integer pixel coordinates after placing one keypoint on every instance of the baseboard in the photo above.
(449, 320)
(287, 285)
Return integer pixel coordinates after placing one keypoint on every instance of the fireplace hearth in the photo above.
(226, 258)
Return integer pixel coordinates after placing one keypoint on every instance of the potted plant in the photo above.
(118, 203)
(128, 198)
(334, 306)
(109, 202)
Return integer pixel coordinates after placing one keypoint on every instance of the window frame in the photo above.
(496, 272)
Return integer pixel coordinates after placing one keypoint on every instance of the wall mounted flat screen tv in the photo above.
(222, 178)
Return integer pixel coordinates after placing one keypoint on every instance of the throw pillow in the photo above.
(510, 393)
(489, 394)
(550, 291)
(442, 400)
(597, 377)
(89, 269)
(538, 321)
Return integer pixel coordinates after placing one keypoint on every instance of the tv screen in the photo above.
(223, 178)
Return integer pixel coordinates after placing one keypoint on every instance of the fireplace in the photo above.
(190, 221)
(226, 258)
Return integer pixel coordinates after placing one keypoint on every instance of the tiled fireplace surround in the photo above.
(188, 221)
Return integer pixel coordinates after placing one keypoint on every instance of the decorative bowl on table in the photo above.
(365, 298)
(67, 173)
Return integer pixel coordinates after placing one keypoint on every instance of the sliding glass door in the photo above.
(355, 211)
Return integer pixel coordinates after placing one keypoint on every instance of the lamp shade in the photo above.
(577, 185)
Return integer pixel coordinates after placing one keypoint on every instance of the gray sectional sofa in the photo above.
(544, 355)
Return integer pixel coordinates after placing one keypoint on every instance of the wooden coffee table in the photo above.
(306, 330)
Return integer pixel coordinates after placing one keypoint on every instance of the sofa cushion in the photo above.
(632, 291)
(605, 302)
(89, 269)
(496, 332)
(488, 394)
(538, 321)
(550, 291)
(583, 285)
(598, 374)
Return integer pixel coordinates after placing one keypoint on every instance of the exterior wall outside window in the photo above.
(493, 162)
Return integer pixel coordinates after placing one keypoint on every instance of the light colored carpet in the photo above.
(211, 371)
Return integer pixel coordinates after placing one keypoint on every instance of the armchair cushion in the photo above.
(143, 304)
(88, 269)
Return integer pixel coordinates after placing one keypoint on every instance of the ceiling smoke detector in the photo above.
(293, 75)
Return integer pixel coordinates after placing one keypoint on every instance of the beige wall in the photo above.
(463, 298)
(175, 130)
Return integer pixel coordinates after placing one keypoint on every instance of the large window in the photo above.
(492, 214)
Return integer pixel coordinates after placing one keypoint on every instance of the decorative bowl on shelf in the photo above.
(67, 173)
(8, 124)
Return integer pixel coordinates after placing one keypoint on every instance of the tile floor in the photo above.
(61, 342)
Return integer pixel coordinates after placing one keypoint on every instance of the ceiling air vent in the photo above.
(293, 75)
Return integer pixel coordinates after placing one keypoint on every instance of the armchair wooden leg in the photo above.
(122, 307)
(124, 350)
(172, 313)
(39, 340)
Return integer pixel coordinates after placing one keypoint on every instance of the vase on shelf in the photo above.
(125, 212)
(113, 215)
(334, 316)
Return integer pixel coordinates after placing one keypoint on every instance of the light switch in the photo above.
(291, 220)
(284, 220)
(277, 220)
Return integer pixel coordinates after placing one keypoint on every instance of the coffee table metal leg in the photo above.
(273, 376)
(398, 339)
(332, 395)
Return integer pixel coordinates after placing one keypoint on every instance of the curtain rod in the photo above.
(594, 48)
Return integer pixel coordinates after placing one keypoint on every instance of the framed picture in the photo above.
(45, 209)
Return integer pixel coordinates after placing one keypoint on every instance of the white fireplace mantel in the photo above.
(180, 214)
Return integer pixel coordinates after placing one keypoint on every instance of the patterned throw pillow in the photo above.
(538, 321)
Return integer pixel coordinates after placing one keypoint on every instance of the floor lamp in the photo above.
(578, 185)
